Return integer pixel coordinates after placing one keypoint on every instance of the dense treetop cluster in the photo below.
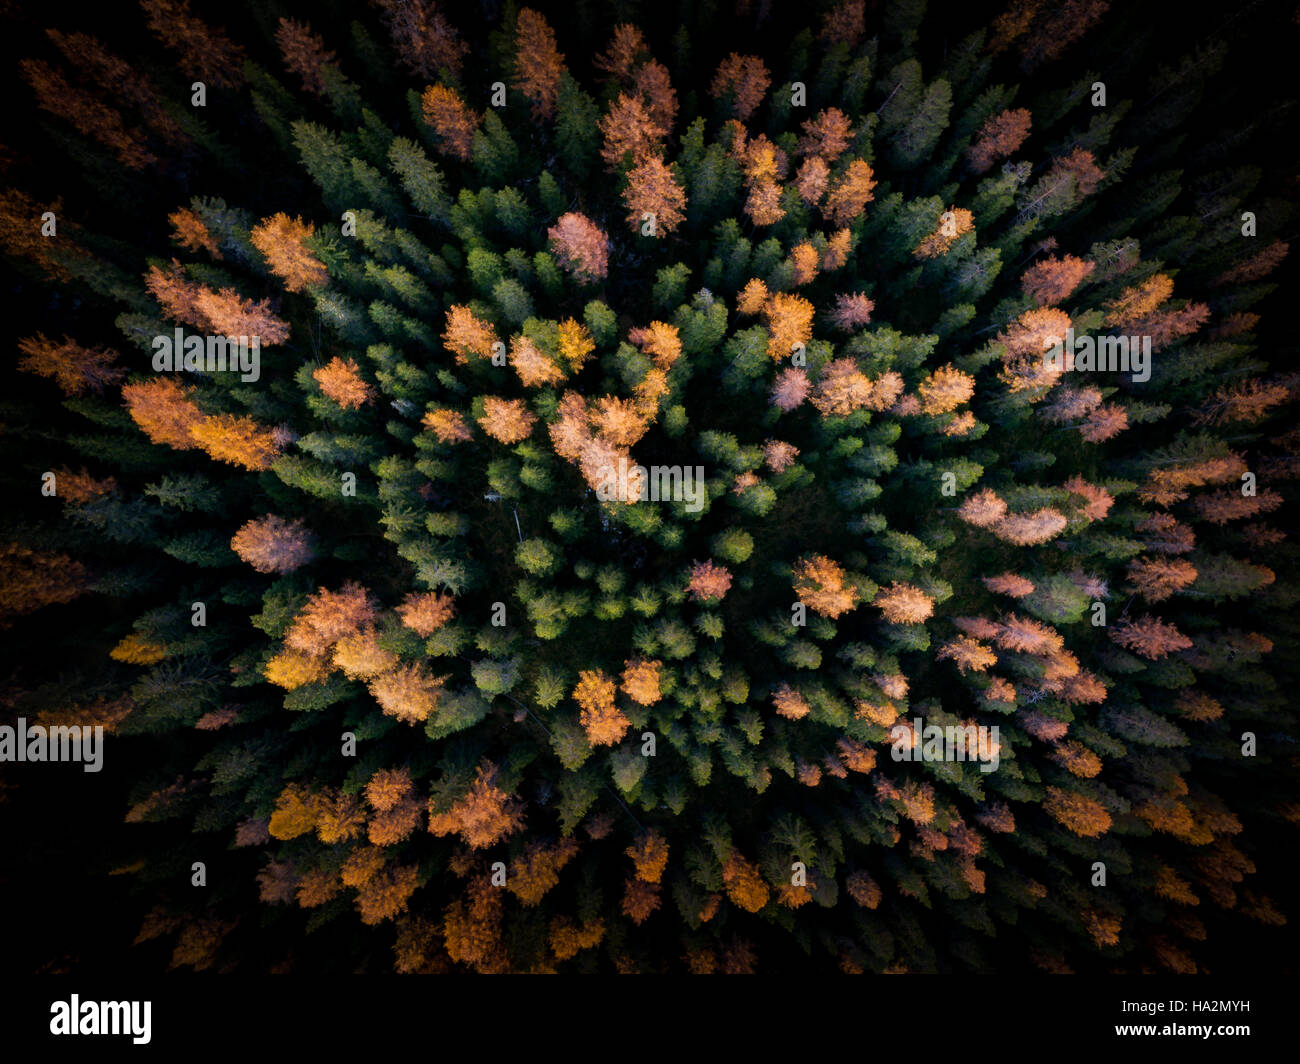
(421, 693)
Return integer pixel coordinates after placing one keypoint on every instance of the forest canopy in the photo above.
(394, 676)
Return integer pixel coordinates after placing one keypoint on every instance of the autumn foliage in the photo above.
(283, 240)
(653, 435)
(581, 246)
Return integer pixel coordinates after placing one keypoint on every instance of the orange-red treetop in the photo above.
(304, 53)
(453, 122)
(283, 242)
(1000, 135)
(652, 189)
(745, 79)
(581, 246)
(270, 544)
(538, 63)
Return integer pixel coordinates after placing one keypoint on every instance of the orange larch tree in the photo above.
(1083, 815)
(75, 369)
(1246, 401)
(1150, 637)
(176, 294)
(630, 132)
(1165, 533)
(640, 900)
(1097, 500)
(1220, 507)
(984, 509)
(163, 409)
(328, 616)
(848, 197)
(80, 487)
(424, 39)
(292, 669)
(1104, 423)
(20, 233)
(227, 313)
(452, 122)
(763, 205)
(709, 581)
(852, 311)
(1030, 529)
(206, 54)
(804, 261)
(790, 703)
(1258, 266)
(656, 88)
(778, 455)
(650, 856)
(471, 928)
(86, 113)
(398, 811)
(1000, 135)
(812, 180)
(270, 544)
(1156, 578)
(969, 655)
(386, 894)
(449, 426)
(1138, 301)
(641, 681)
(283, 242)
(744, 883)
(507, 420)
(341, 380)
(191, 232)
(942, 391)
(538, 63)
(602, 720)
(581, 246)
(826, 135)
(903, 603)
(745, 79)
(304, 53)
(1050, 281)
(124, 80)
(237, 439)
(842, 388)
(790, 389)
(654, 195)
(426, 611)
(752, 298)
(627, 50)
(467, 335)
(789, 320)
(30, 579)
(953, 224)
(535, 872)
(534, 367)
(1078, 167)
(575, 344)
(361, 657)
(410, 692)
(820, 585)
(845, 23)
